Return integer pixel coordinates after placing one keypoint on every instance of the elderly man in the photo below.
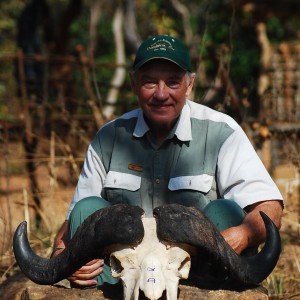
(172, 150)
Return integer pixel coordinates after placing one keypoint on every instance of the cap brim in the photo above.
(142, 62)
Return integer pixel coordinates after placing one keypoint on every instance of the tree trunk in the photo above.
(120, 72)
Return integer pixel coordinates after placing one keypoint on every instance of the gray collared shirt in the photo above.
(206, 156)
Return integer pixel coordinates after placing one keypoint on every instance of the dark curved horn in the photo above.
(189, 225)
(119, 223)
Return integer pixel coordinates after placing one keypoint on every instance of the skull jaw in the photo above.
(155, 274)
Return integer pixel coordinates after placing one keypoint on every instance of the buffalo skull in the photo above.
(148, 254)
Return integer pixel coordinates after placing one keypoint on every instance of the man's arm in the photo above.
(252, 231)
(90, 182)
(61, 239)
(85, 276)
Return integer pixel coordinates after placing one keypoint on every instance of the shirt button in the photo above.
(157, 181)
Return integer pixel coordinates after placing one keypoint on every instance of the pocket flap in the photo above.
(201, 183)
(124, 181)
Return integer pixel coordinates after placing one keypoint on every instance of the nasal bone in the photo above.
(161, 92)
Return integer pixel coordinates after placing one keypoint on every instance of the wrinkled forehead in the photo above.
(160, 67)
(160, 63)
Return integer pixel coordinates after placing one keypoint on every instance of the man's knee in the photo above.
(83, 209)
(224, 213)
(89, 205)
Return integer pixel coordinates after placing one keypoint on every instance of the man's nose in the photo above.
(161, 92)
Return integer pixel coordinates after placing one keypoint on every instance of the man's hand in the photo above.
(251, 233)
(237, 238)
(85, 276)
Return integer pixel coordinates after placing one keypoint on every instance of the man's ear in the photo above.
(190, 85)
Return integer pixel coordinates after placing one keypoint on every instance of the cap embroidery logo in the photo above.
(160, 45)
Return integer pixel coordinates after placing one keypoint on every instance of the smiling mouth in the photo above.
(158, 106)
(160, 109)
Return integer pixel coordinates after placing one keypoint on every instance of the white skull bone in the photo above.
(151, 267)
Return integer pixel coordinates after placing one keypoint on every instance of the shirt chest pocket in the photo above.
(201, 183)
(191, 190)
(122, 188)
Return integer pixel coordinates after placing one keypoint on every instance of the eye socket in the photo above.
(171, 84)
(149, 84)
(115, 265)
(174, 84)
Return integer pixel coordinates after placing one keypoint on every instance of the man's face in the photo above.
(161, 87)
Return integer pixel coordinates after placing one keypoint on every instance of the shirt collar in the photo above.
(141, 126)
(183, 130)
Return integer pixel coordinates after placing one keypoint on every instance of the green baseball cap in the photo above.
(163, 47)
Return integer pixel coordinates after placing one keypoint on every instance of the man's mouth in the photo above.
(160, 105)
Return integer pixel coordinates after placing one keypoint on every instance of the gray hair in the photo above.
(188, 74)
(188, 77)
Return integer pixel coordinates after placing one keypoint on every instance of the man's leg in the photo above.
(81, 211)
(224, 213)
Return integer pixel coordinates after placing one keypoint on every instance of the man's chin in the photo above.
(163, 122)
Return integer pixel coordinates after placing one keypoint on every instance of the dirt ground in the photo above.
(56, 190)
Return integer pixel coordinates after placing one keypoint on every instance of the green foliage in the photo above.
(7, 24)
(275, 29)
(79, 30)
(216, 25)
(283, 29)
(236, 33)
(9, 11)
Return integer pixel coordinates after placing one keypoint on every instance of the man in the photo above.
(172, 150)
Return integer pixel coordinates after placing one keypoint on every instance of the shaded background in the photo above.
(64, 73)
